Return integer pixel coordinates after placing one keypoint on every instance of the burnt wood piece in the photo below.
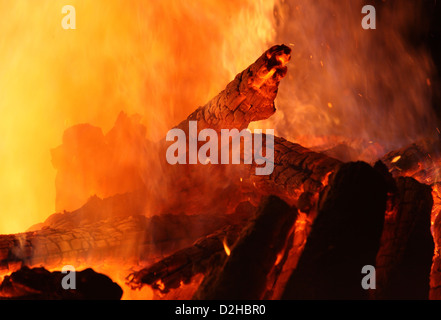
(249, 97)
(405, 257)
(133, 237)
(298, 173)
(244, 273)
(183, 265)
(344, 238)
(40, 284)
(418, 160)
(180, 267)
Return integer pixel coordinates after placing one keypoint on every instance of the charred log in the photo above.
(344, 238)
(298, 173)
(40, 284)
(249, 97)
(180, 267)
(435, 274)
(405, 257)
(135, 237)
(183, 265)
(244, 273)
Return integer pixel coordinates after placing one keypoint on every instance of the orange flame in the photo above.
(226, 247)
(160, 60)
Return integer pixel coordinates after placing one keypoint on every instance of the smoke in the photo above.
(370, 89)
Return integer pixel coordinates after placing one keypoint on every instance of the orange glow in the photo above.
(301, 222)
(159, 59)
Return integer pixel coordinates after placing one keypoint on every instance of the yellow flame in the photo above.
(396, 159)
(159, 59)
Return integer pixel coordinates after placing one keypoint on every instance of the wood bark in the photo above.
(127, 237)
(405, 256)
(297, 171)
(180, 267)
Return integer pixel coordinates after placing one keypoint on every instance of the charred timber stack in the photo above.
(347, 202)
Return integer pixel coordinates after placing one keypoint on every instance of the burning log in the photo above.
(405, 257)
(62, 239)
(180, 267)
(243, 275)
(184, 264)
(298, 172)
(435, 274)
(344, 238)
(421, 162)
(251, 258)
(40, 284)
(249, 97)
(418, 160)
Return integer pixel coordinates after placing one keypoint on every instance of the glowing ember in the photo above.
(278, 259)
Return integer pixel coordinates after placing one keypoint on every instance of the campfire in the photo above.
(297, 211)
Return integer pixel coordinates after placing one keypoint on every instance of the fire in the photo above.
(160, 285)
(158, 60)
(335, 55)
(163, 59)
(226, 247)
